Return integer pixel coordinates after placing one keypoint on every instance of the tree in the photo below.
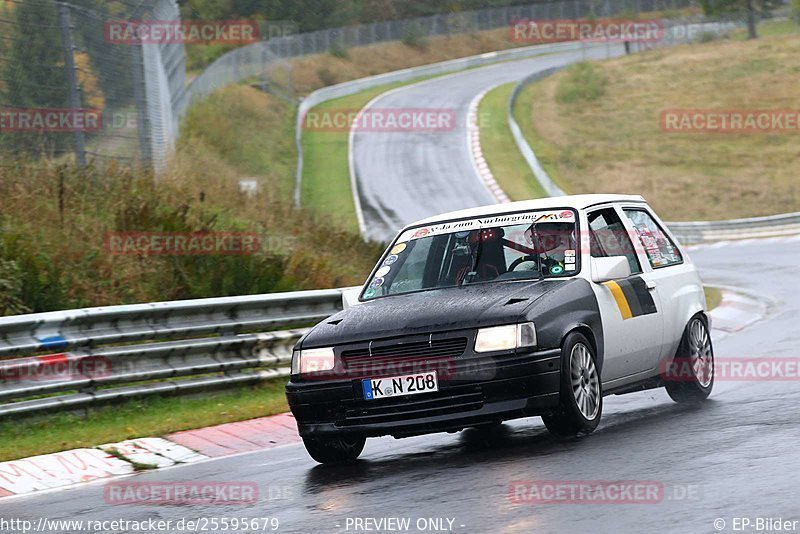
(33, 74)
(753, 10)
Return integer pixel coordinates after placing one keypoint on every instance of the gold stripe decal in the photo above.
(619, 296)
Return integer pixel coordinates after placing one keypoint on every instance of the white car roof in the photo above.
(578, 202)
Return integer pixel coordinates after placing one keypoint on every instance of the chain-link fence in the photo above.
(268, 59)
(68, 90)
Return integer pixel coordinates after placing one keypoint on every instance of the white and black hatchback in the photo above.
(470, 318)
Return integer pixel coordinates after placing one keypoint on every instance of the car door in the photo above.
(674, 278)
(631, 311)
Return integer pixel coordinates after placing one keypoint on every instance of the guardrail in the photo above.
(525, 149)
(693, 233)
(110, 353)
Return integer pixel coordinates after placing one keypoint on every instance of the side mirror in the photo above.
(611, 268)
(350, 297)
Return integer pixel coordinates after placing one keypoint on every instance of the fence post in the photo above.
(79, 137)
(139, 96)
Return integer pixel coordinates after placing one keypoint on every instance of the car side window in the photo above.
(608, 237)
(660, 249)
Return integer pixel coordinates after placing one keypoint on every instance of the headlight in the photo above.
(507, 337)
(312, 360)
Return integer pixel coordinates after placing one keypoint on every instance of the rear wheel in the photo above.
(338, 450)
(693, 365)
(581, 396)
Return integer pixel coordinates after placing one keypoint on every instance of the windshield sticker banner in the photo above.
(490, 222)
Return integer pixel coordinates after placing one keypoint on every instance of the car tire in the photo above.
(581, 390)
(694, 375)
(340, 450)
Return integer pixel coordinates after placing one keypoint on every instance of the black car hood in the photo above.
(430, 311)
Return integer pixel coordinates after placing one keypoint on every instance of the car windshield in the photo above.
(518, 246)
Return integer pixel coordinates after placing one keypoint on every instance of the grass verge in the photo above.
(146, 417)
(546, 152)
(497, 144)
(326, 189)
(611, 141)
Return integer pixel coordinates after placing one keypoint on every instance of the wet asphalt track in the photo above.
(406, 176)
(738, 455)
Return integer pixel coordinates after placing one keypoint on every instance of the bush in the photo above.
(413, 36)
(707, 37)
(339, 49)
(327, 76)
(581, 83)
(11, 289)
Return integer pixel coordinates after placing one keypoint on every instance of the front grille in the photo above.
(428, 350)
(406, 409)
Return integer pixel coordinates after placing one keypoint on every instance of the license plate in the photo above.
(383, 388)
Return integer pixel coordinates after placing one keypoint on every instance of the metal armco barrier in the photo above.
(693, 233)
(74, 358)
(111, 353)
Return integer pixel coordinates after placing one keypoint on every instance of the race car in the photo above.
(533, 308)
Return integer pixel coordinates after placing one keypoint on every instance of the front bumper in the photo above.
(480, 389)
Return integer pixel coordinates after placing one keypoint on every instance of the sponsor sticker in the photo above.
(391, 260)
(383, 271)
(397, 249)
(376, 283)
(422, 232)
(632, 297)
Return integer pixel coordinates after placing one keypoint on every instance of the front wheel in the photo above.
(581, 395)
(339, 450)
(691, 375)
